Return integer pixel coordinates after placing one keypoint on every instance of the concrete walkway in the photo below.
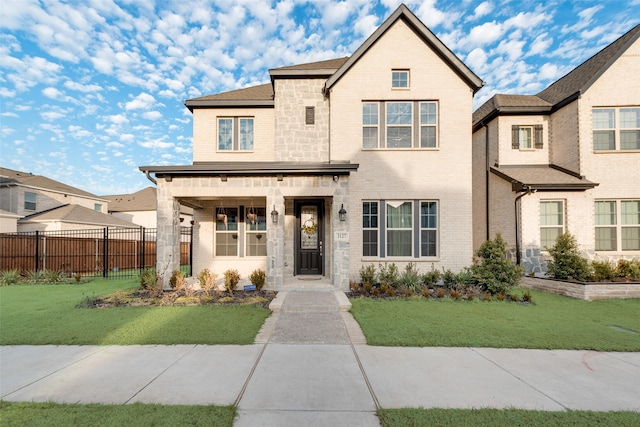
(310, 366)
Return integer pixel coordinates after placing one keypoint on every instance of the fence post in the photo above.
(191, 251)
(143, 244)
(105, 252)
(37, 249)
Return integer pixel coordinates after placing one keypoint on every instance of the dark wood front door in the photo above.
(309, 236)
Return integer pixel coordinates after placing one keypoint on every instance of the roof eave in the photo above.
(252, 169)
(230, 103)
(447, 55)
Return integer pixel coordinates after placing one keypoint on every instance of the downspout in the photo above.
(148, 174)
(527, 190)
(486, 179)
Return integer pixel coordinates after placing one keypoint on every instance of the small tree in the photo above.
(567, 263)
(492, 270)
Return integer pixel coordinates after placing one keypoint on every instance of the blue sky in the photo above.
(92, 89)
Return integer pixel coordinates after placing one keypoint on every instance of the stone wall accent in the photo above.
(586, 291)
(168, 234)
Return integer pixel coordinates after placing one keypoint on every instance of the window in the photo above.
(370, 125)
(97, 207)
(412, 124)
(310, 115)
(617, 225)
(30, 201)
(400, 79)
(551, 222)
(527, 137)
(240, 231)
(616, 128)
(369, 228)
(399, 124)
(235, 134)
(408, 229)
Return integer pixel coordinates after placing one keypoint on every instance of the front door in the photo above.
(309, 237)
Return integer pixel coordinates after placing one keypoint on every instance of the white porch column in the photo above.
(275, 243)
(168, 234)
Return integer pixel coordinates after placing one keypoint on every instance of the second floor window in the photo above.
(403, 125)
(30, 201)
(616, 128)
(526, 137)
(235, 134)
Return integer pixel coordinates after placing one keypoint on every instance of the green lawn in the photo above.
(552, 322)
(506, 418)
(95, 415)
(47, 314)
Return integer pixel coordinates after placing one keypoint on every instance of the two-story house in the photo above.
(564, 160)
(40, 203)
(331, 166)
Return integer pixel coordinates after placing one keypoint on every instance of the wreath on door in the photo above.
(309, 227)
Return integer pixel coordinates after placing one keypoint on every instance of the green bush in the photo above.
(231, 279)
(38, 276)
(567, 263)
(258, 277)
(431, 278)
(177, 280)
(449, 279)
(206, 279)
(410, 278)
(602, 271)
(492, 270)
(368, 274)
(148, 279)
(9, 277)
(628, 269)
(389, 275)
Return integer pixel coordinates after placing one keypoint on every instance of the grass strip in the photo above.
(410, 417)
(552, 322)
(48, 314)
(97, 415)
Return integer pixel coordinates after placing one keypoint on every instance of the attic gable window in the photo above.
(235, 134)
(400, 79)
(30, 201)
(526, 137)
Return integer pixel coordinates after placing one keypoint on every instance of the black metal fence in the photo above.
(115, 252)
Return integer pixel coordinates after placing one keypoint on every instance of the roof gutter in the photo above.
(516, 206)
(147, 172)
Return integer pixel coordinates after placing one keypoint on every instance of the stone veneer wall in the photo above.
(586, 291)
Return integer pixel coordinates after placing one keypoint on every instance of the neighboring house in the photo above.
(331, 166)
(43, 204)
(25, 194)
(564, 160)
(71, 217)
(140, 208)
(8, 222)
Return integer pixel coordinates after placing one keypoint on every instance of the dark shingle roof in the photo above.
(542, 177)
(558, 93)
(254, 93)
(78, 214)
(13, 177)
(329, 64)
(582, 77)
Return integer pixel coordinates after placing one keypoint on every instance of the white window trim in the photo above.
(403, 71)
(415, 126)
(564, 220)
(618, 227)
(617, 141)
(235, 134)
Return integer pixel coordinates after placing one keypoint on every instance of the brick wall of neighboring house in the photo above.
(295, 140)
(205, 135)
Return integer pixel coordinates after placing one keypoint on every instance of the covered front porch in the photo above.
(290, 223)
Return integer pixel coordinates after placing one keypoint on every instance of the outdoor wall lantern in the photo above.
(274, 215)
(342, 214)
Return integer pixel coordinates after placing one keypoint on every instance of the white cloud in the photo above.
(481, 10)
(142, 101)
(51, 115)
(156, 144)
(540, 44)
(72, 85)
(52, 92)
(152, 115)
(117, 119)
(485, 33)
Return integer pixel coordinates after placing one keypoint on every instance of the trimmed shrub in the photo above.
(491, 268)
(177, 280)
(148, 279)
(368, 274)
(431, 278)
(567, 263)
(410, 278)
(231, 279)
(602, 271)
(628, 269)
(206, 279)
(389, 274)
(258, 277)
(449, 279)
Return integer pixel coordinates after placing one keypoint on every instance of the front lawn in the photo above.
(505, 417)
(137, 414)
(48, 314)
(551, 322)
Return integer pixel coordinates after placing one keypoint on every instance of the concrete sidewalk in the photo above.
(294, 376)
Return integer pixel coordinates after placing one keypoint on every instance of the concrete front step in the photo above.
(310, 302)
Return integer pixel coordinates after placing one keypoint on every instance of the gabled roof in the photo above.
(143, 200)
(542, 178)
(79, 215)
(318, 69)
(254, 96)
(403, 12)
(561, 92)
(581, 78)
(9, 177)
